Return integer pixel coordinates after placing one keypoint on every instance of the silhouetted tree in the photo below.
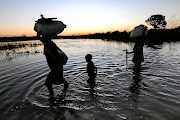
(157, 21)
(116, 32)
(178, 28)
(24, 35)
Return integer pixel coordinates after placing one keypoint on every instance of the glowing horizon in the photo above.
(84, 17)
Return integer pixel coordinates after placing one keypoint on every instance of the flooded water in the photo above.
(123, 92)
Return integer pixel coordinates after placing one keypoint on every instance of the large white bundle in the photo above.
(137, 32)
(49, 28)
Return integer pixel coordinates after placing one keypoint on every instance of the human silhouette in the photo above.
(56, 74)
(91, 70)
(138, 57)
(46, 28)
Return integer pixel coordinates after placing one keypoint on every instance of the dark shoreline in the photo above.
(153, 36)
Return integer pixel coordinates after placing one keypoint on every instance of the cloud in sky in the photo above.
(83, 16)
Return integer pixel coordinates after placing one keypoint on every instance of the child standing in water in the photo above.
(91, 70)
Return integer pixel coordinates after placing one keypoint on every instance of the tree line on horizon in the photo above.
(158, 35)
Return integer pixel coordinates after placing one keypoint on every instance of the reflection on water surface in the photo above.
(123, 92)
(12, 50)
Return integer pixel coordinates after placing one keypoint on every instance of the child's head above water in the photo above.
(88, 57)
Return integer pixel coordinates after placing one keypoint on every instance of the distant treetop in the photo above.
(157, 21)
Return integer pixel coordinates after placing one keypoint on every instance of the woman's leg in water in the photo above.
(48, 83)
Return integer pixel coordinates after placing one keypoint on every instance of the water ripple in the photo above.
(117, 95)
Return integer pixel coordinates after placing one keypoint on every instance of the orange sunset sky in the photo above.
(84, 16)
